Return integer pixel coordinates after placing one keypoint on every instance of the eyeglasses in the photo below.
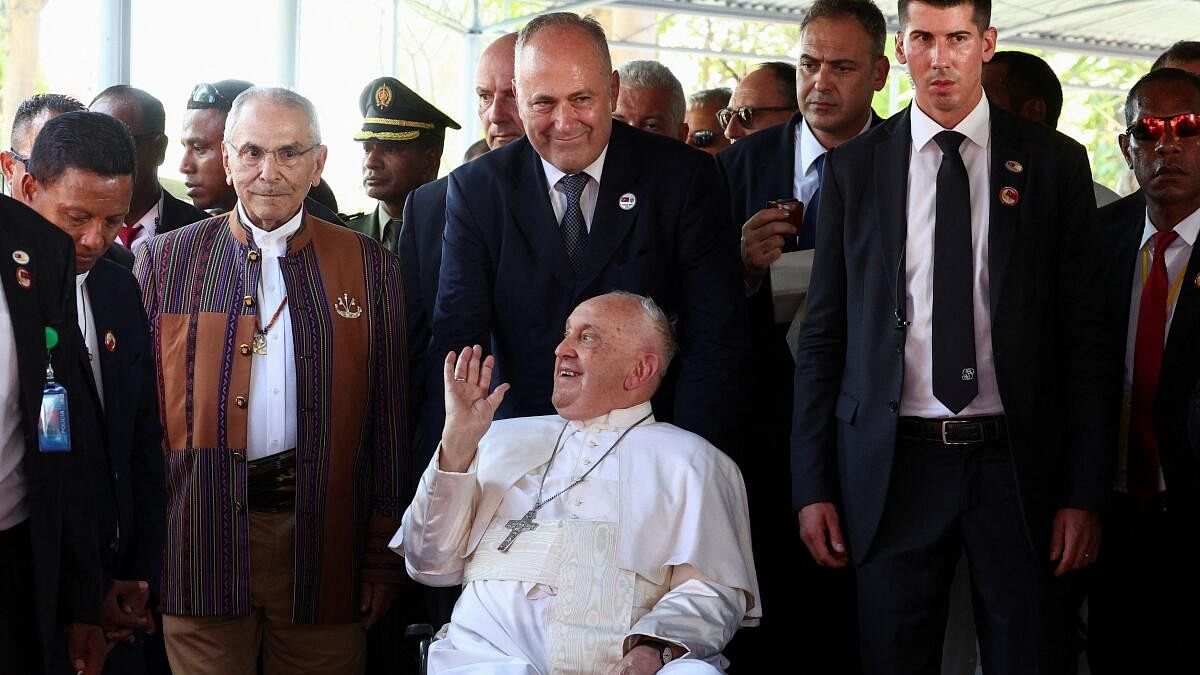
(1185, 125)
(18, 156)
(206, 95)
(745, 114)
(288, 156)
(703, 138)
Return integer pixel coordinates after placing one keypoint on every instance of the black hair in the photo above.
(36, 105)
(1182, 51)
(785, 78)
(864, 11)
(1030, 77)
(982, 14)
(1160, 75)
(85, 140)
(153, 116)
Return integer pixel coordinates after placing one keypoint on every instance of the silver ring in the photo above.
(459, 379)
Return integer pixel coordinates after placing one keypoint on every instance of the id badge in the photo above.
(54, 424)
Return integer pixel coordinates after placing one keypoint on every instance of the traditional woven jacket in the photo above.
(346, 303)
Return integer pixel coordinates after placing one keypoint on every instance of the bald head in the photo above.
(496, 101)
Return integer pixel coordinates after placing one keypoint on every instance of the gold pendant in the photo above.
(259, 344)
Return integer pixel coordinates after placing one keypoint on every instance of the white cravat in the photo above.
(272, 406)
(917, 399)
(591, 192)
(13, 507)
(87, 328)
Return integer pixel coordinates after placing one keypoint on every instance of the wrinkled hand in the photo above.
(124, 610)
(821, 530)
(469, 407)
(1074, 540)
(641, 660)
(85, 648)
(762, 242)
(376, 598)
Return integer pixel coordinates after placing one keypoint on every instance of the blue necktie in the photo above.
(574, 230)
(808, 235)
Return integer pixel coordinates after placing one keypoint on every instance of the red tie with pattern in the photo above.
(1142, 458)
(128, 233)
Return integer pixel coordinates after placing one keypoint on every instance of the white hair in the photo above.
(658, 322)
(281, 96)
(646, 74)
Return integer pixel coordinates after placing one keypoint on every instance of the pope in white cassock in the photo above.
(593, 541)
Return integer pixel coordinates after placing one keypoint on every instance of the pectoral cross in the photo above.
(524, 524)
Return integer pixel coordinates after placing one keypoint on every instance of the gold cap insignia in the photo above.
(383, 97)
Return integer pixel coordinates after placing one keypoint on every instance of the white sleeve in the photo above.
(435, 529)
(697, 614)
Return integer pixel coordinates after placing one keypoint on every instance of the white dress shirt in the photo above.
(591, 192)
(13, 507)
(149, 223)
(87, 328)
(917, 398)
(1177, 256)
(805, 181)
(272, 405)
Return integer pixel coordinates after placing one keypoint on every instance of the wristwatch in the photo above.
(663, 648)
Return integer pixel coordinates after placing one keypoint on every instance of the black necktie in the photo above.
(574, 230)
(391, 234)
(954, 373)
(808, 236)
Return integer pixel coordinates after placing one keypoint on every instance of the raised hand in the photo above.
(469, 406)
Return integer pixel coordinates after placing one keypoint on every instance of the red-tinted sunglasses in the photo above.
(1185, 125)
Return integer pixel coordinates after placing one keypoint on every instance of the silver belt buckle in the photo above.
(946, 425)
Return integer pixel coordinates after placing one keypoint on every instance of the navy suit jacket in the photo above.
(132, 505)
(1049, 328)
(67, 574)
(506, 282)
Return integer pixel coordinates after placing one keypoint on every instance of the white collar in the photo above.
(272, 243)
(594, 170)
(1187, 229)
(153, 218)
(810, 148)
(384, 215)
(620, 418)
(975, 126)
(81, 278)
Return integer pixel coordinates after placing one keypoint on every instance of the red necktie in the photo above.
(128, 233)
(1143, 460)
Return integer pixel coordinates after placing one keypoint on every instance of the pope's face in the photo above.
(593, 362)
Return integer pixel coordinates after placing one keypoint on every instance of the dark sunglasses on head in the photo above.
(18, 156)
(703, 138)
(207, 96)
(745, 114)
(1185, 125)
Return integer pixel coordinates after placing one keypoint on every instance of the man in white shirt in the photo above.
(596, 540)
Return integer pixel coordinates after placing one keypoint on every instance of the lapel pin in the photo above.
(110, 341)
(1009, 196)
(23, 278)
(1014, 166)
(627, 201)
(20, 257)
(1196, 281)
(347, 307)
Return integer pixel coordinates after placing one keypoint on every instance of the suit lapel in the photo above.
(530, 207)
(776, 171)
(28, 324)
(891, 196)
(1129, 244)
(1181, 340)
(1009, 166)
(610, 223)
(102, 313)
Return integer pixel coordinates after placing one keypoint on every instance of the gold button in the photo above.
(244, 349)
(240, 401)
(238, 455)
(253, 255)
(237, 506)
(247, 300)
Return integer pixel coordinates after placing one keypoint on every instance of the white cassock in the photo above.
(655, 542)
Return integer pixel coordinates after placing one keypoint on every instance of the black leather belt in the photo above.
(271, 483)
(953, 431)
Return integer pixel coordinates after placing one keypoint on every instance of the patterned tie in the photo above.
(391, 234)
(954, 373)
(128, 233)
(1143, 461)
(574, 230)
(808, 235)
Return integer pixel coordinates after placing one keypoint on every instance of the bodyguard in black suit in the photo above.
(950, 383)
(1143, 601)
(622, 210)
(840, 66)
(50, 576)
(80, 178)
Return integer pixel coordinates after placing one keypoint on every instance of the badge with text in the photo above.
(347, 307)
(24, 279)
(20, 257)
(1009, 196)
(627, 201)
(110, 341)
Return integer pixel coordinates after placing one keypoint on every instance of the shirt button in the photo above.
(587, 462)
(275, 390)
(592, 444)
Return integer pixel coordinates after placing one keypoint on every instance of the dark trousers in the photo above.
(20, 648)
(944, 501)
(1142, 611)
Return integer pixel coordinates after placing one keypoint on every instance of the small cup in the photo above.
(795, 209)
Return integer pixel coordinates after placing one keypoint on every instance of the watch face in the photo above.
(667, 655)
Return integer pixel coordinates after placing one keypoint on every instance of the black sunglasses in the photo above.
(204, 95)
(703, 138)
(18, 156)
(745, 114)
(1185, 125)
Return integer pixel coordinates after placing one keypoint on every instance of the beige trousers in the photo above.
(229, 645)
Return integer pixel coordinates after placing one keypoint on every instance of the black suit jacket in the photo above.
(132, 504)
(506, 282)
(67, 576)
(420, 251)
(1048, 328)
(176, 213)
(1175, 406)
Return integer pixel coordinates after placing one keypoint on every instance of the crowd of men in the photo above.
(572, 402)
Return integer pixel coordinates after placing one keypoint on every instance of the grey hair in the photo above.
(657, 319)
(587, 24)
(646, 74)
(278, 95)
(709, 96)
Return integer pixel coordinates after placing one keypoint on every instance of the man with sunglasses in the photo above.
(32, 114)
(840, 67)
(704, 131)
(765, 97)
(1145, 591)
(152, 210)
